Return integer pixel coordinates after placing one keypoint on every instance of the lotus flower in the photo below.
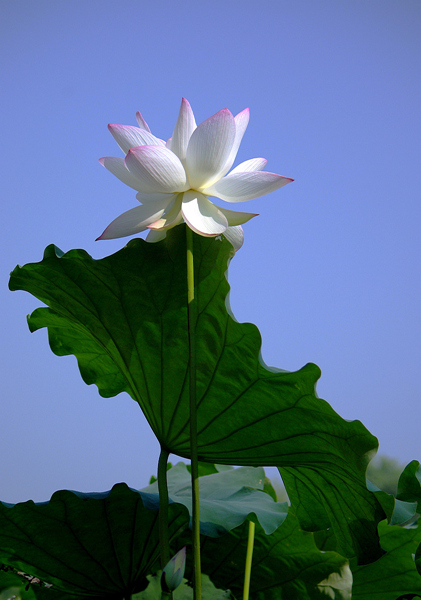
(175, 179)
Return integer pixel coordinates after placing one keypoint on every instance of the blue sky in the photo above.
(329, 271)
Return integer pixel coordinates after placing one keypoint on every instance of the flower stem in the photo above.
(164, 541)
(192, 316)
(249, 556)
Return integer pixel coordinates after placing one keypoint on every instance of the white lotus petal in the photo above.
(209, 148)
(171, 217)
(164, 223)
(158, 170)
(235, 217)
(142, 122)
(174, 178)
(148, 198)
(155, 236)
(128, 137)
(202, 216)
(132, 221)
(118, 168)
(239, 187)
(241, 122)
(235, 235)
(183, 131)
(253, 164)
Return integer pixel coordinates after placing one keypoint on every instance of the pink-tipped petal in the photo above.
(241, 122)
(132, 221)
(209, 148)
(142, 122)
(157, 169)
(128, 137)
(235, 235)
(202, 216)
(235, 217)
(117, 167)
(183, 130)
(253, 164)
(239, 187)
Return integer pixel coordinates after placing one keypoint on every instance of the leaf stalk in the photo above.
(164, 541)
(249, 558)
(192, 318)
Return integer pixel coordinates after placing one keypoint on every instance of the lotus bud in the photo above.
(173, 572)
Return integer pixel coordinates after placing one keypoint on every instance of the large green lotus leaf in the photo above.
(286, 564)
(226, 498)
(125, 319)
(86, 545)
(395, 574)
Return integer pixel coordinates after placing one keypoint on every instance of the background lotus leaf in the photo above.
(226, 498)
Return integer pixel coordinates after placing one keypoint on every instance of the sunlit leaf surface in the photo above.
(226, 498)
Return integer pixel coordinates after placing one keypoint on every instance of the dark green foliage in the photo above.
(86, 545)
(287, 564)
(124, 318)
(395, 574)
(409, 486)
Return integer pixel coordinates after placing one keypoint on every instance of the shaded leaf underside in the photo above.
(286, 564)
(86, 545)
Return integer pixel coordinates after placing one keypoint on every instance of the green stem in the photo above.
(164, 540)
(249, 556)
(192, 316)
